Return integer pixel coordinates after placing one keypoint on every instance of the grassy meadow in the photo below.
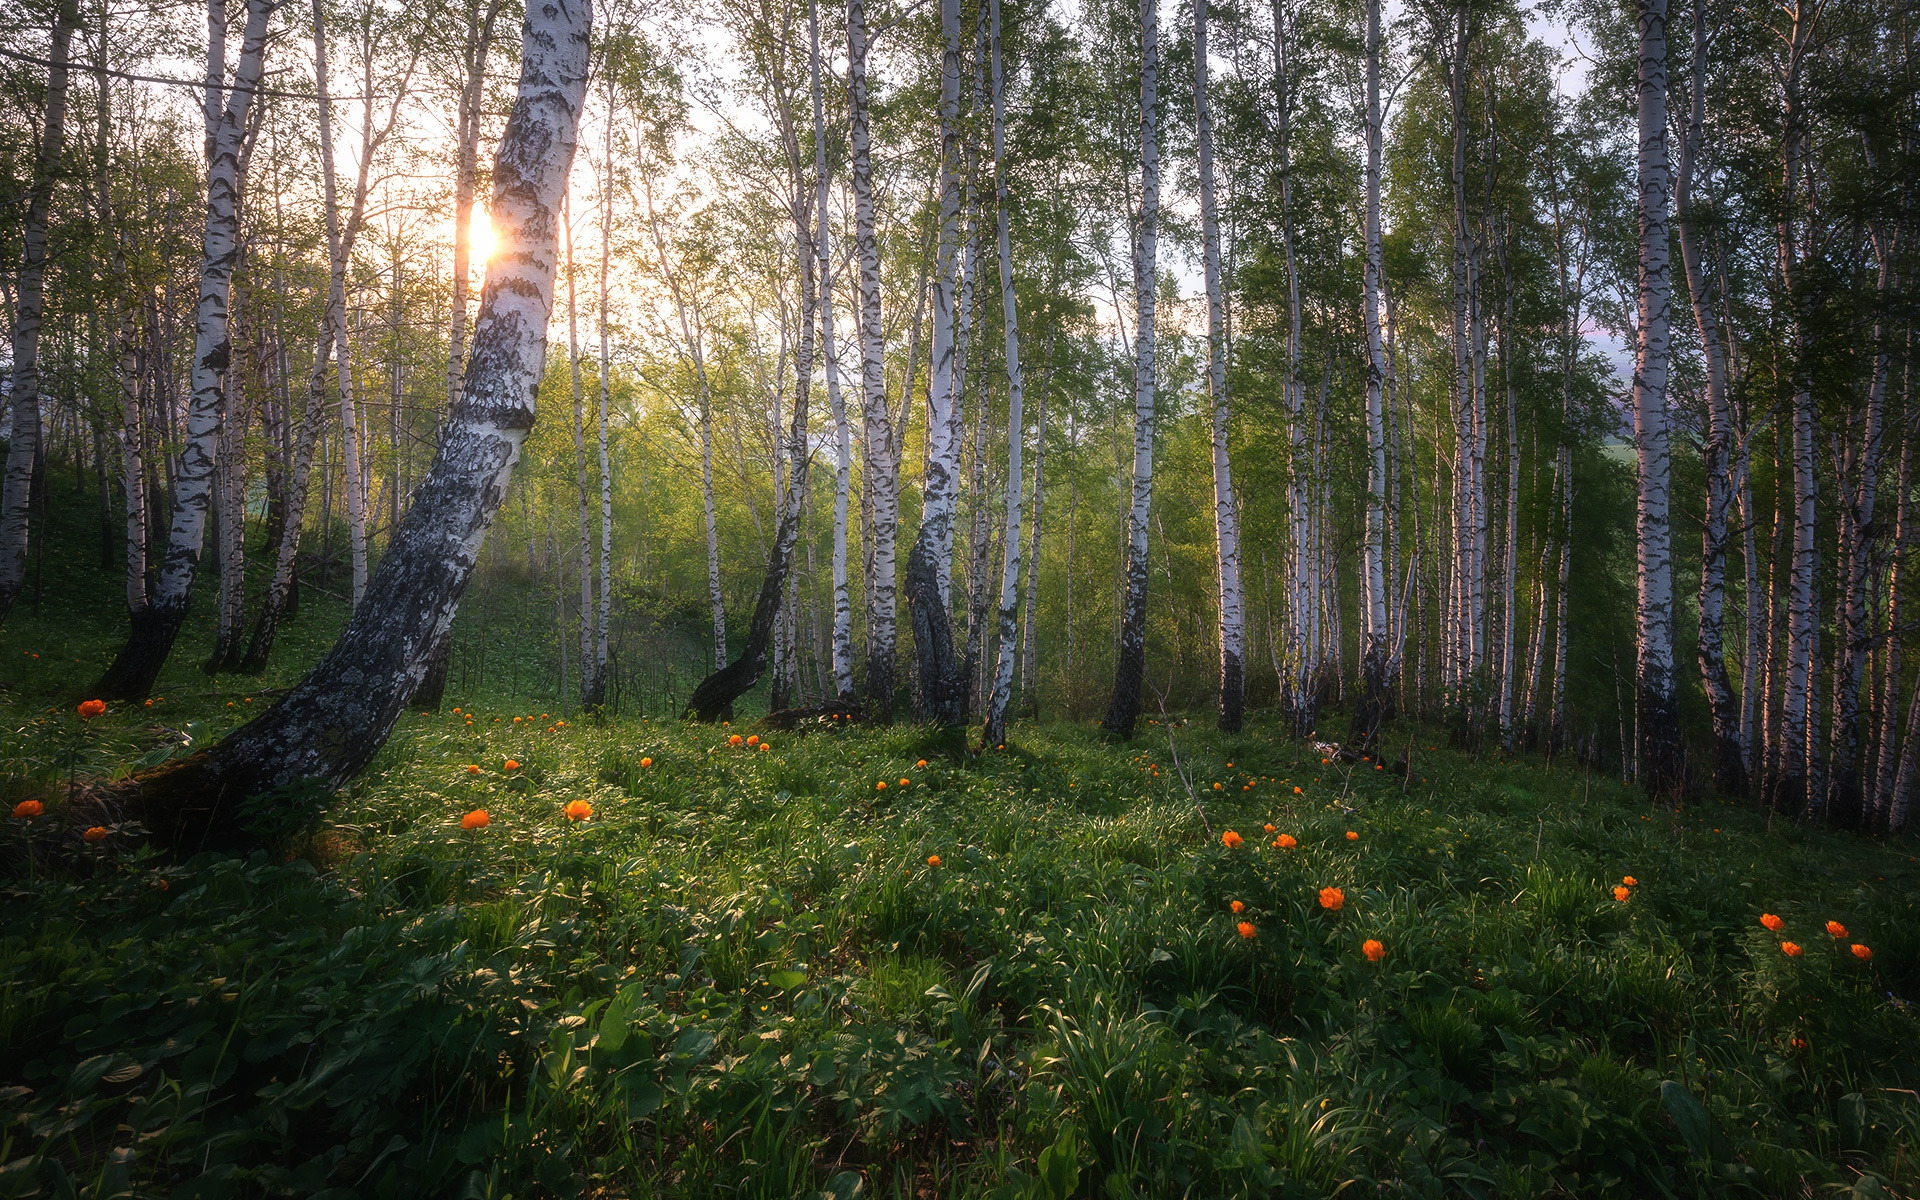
(859, 961)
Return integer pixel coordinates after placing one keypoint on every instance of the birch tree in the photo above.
(842, 434)
(24, 451)
(336, 718)
(1130, 666)
(1377, 654)
(995, 730)
(131, 675)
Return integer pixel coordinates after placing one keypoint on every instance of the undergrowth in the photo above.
(757, 972)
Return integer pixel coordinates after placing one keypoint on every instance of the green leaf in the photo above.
(1696, 1128)
(1060, 1165)
(787, 980)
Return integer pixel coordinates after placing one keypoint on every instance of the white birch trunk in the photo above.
(1376, 656)
(995, 731)
(23, 449)
(1661, 768)
(842, 650)
(879, 452)
(131, 675)
(603, 620)
(590, 688)
(1123, 708)
(334, 721)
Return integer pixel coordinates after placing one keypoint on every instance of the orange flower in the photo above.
(98, 833)
(516, 720)
(1836, 929)
(1352, 836)
(579, 810)
(753, 739)
(1630, 881)
(477, 819)
(1296, 791)
(766, 746)
(903, 781)
(1286, 841)
(511, 765)
(881, 786)
(1861, 952)
(1230, 839)
(1237, 907)
(92, 708)
(1621, 893)
(1772, 922)
(646, 762)
(1331, 898)
(456, 710)
(933, 860)
(921, 763)
(473, 769)
(1216, 787)
(27, 809)
(734, 739)
(1373, 950)
(1246, 930)
(1790, 949)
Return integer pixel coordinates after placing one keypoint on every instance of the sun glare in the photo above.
(480, 233)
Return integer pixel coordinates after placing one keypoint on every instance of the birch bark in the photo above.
(333, 722)
(131, 675)
(842, 647)
(1123, 708)
(1377, 666)
(995, 730)
(24, 451)
(1661, 767)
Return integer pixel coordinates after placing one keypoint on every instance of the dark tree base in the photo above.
(131, 675)
(1233, 693)
(1374, 707)
(433, 685)
(941, 698)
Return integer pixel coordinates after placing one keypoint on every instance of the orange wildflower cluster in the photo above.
(1286, 841)
(734, 739)
(1373, 950)
(1331, 898)
(477, 819)
(1230, 839)
(1246, 930)
(1622, 893)
(753, 739)
(92, 708)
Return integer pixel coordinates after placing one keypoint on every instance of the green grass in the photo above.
(742, 976)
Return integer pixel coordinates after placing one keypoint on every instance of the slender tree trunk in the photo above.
(1130, 666)
(1729, 756)
(880, 453)
(334, 721)
(1378, 664)
(1029, 643)
(1298, 694)
(1226, 509)
(24, 451)
(1887, 738)
(995, 731)
(1662, 769)
(1794, 788)
(131, 675)
(842, 650)
(940, 687)
(592, 691)
(603, 622)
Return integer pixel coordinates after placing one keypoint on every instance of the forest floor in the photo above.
(865, 961)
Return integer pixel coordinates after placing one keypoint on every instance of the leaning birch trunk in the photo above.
(939, 685)
(1887, 738)
(1029, 645)
(713, 699)
(131, 675)
(842, 652)
(882, 462)
(592, 691)
(1226, 513)
(1660, 758)
(1123, 707)
(334, 720)
(1729, 755)
(1376, 655)
(24, 450)
(995, 730)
